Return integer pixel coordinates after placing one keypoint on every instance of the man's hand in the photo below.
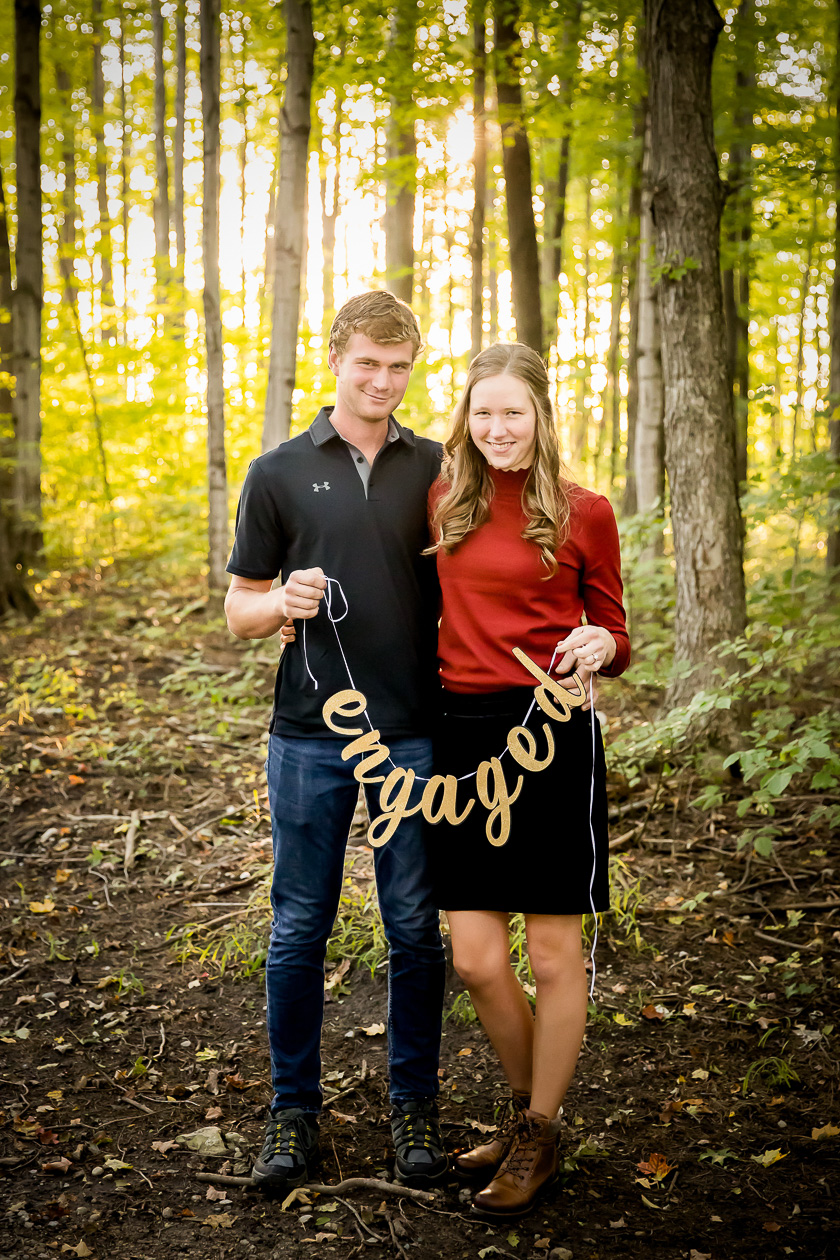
(302, 593)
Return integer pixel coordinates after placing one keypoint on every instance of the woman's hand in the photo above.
(586, 650)
(288, 633)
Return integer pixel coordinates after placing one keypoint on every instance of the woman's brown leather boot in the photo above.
(529, 1167)
(482, 1161)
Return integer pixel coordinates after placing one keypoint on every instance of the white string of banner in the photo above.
(334, 619)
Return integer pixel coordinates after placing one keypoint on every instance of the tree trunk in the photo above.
(106, 294)
(161, 205)
(26, 322)
(649, 452)
(479, 29)
(699, 423)
(180, 133)
(832, 556)
(290, 223)
(565, 98)
(580, 426)
(329, 218)
(516, 160)
(211, 59)
(805, 287)
(13, 590)
(401, 151)
(124, 178)
(67, 225)
(629, 502)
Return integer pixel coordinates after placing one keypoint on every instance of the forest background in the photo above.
(646, 193)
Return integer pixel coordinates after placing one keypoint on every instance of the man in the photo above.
(346, 500)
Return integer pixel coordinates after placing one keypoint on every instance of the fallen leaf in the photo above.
(513, 1238)
(654, 1012)
(57, 1166)
(827, 1131)
(621, 1018)
(655, 1166)
(771, 1226)
(699, 1255)
(42, 907)
(217, 1196)
(163, 1147)
(463, 1053)
(75, 780)
(619, 1224)
(768, 1158)
(81, 1249)
(213, 1113)
(481, 1128)
(62, 875)
(222, 1220)
(298, 1195)
(207, 1141)
(373, 1030)
(659, 1206)
(343, 1118)
(117, 1165)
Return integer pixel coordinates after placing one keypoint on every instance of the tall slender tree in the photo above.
(211, 61)
(401, 150)
(649, 448)
(106, 295)
(29, 292)
(832, 556)
(161, 203)
(290, 222)
(516, 158)
(180, 135)
(479, 211)
(67, 223)
(13, 590)
(699, 422)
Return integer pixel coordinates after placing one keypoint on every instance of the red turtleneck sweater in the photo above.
(496, 595)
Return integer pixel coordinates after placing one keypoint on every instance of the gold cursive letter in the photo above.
(347, 704)
(522, 745)
(497, 798)
(567, 700)
(373, 753)
(393, 812)
(447, 785)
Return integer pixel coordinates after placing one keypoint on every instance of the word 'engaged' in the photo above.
(439, 799)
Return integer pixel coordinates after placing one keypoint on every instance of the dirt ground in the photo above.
(134, 846)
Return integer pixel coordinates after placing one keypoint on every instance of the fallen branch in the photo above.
(343, 1187)
(20, 971)
(131, 841)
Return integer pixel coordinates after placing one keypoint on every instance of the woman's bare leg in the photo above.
(481, 949)
(554, 947)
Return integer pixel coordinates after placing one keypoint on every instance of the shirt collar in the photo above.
(321, 429)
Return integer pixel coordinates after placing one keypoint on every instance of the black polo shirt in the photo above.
(304, 505)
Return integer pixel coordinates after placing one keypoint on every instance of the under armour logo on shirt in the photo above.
(324, 486)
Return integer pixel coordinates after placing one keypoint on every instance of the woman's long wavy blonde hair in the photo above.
(545, 496)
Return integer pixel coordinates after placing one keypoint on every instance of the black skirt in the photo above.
(545, 864)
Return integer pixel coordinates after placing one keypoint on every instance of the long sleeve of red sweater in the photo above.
(496, 596)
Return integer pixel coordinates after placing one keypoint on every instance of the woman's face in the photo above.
(503, 422)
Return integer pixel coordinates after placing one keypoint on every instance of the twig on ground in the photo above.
(99, 874)
(15, 974)
(377, 1237)
(131, 841)
(398, 1245)
(343, 1187)
(780, 940)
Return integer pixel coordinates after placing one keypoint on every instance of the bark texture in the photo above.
(479, 210)
(649, 446)
(402, 152)
(180, 129)
(26, 321)
(290, 223)
(67, 224)
(699, 424)
(629, 503)
(832, 557)
(555, 224)
(216, 466)
(13, 591)
(516, 159)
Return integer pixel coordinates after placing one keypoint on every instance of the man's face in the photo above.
(371, 380)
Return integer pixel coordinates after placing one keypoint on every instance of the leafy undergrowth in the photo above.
(134, 853)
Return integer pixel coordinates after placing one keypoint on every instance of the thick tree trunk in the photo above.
(649, 447)
(832, 557)
(13, 590)
(67, 224)
(180, 133)
(211, 58)
(516, 159)
(290, 223)
(402, 151)
(479, 29)
(580, 427)
(161, 204)
(699, 424)
(106, 295)
(26, 322)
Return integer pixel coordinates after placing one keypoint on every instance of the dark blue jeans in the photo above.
(312, 794)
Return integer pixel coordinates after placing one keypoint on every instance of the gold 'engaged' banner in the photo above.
(440, 795)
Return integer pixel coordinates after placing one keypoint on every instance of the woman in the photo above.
(522, 555)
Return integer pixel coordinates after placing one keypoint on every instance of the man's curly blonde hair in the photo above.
(380, 316)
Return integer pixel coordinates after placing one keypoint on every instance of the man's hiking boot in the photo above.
(482, 1162)
(420, 1158)
(289, 1152)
